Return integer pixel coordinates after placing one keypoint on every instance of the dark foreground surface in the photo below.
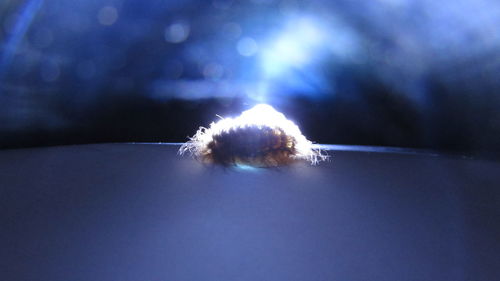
(140, 212)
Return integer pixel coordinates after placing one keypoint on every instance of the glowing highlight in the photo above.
(259, 137)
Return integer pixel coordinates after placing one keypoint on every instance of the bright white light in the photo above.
(262, 114)
(290, 50)
(266, 115)
(310, 32)
(259, 117)
(296, 46)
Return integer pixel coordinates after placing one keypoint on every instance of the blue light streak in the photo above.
(28, 13)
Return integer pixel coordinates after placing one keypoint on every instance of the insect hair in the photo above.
(260, 137)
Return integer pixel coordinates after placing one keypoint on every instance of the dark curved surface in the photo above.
(140, 212)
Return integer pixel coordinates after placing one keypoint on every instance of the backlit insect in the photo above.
(260, 137)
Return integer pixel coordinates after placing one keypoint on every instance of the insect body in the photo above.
(259, 137)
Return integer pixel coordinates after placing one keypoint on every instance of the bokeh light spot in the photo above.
(107, 15)
(177, 32)
(247, 47)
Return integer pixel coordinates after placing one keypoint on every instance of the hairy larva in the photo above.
(260, 137)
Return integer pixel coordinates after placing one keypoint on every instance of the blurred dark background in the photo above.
(420, 74)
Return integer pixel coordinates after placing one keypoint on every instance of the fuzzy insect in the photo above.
(260, 137)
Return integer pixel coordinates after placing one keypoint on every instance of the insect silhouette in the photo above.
(259, 137)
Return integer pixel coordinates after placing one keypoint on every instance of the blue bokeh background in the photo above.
(387, 72)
